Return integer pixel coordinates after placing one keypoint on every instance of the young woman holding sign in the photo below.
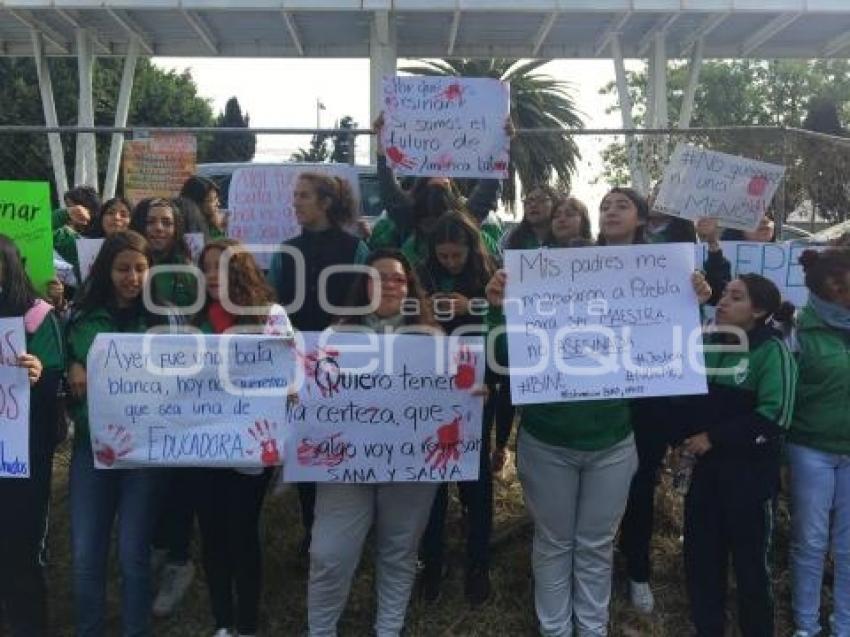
(111, 301)
(819, 444)
(163, 226)
(229, 501)
(23, 588)
(346, 512)
(324, 206)
(735, 433)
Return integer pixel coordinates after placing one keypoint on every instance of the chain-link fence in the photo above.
(814, 193)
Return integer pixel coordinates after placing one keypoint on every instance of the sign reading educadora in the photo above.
(187, 400)
(14, 402)
(594, 323)
(158, 165)
(705, 183)
(779, 262)
(447, 126)
(386, 408)
(25, 217)
(260, 202)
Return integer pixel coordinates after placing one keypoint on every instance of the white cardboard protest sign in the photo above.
(188, 399)
(446, 126)
(595, 323)
(386, 408)
(779, 262)
(704, 183)
(88, 249)
(14, 402)
(260, 203)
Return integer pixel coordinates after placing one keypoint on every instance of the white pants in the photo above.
(344, 515)
(576, 499)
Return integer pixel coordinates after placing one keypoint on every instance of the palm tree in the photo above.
(537, 101)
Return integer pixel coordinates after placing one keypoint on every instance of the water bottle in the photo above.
(684, 472)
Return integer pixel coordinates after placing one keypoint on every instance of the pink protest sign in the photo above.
(446, 126)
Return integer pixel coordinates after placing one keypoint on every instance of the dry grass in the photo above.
(509, 612)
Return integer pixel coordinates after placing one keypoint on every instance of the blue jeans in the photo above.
(820, 485)
(97, 496)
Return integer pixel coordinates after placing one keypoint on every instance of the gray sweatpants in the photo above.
(576, 499)
(344, 515)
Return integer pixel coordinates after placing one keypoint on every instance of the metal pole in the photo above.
(45, 86)
(85, 169)
(121, 111)
(626, 111)
(688, 98)
(382, 61)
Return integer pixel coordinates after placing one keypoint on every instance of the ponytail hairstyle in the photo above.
(359, 296)
(179, 252)
(455, 227)
(246, 285)
(765, 296)
(17, 293)
(342, 204)
(642, 207)
(823, 267)
(521, 236)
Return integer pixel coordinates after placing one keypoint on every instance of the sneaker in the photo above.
(431, 580)
(477, 585)
(175, 581)
(641, 597)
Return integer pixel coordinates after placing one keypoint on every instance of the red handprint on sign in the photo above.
(321, 368)
(399, 158)
(465, 361)
(325, 452)
(448, 440)
(452, 92)
(757, 186)
(263, 432)
(116, 447)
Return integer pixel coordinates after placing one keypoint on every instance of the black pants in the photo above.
(229, 507)
(477, 497)
(723, 519)
(23, 549)
(651, 440)
(176, 520)
(307, 500)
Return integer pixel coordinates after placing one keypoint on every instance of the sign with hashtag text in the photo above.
(736, 191)
(385, 408)
(446, 126)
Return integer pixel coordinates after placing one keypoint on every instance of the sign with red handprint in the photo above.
(389, 408)
(446, 127)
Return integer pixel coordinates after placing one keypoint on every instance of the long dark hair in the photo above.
(764, 295)
(434, 200)
(179, 252)
(455, 227)
(246, 285)
(522, 235)
(642, 212)
(577, 205)
(95, 230)
(821, 267)
(17, 293)
(84, 196)
(193, 194)
(360, 293)
(98, 290)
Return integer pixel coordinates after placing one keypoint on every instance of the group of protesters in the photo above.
(588, 469)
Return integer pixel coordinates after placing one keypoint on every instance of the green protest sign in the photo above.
(25, 217)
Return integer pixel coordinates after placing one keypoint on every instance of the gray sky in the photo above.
(283, 92)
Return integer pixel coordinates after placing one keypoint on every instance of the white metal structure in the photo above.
(384, 30)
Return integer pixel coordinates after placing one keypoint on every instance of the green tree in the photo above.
(160, 98)
(742, 93)
(537, 101)
(343, 145)
(230, 147)
(316, 152)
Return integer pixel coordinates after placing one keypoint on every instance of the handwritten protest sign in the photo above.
(446, 126)
(88, 249)
(388, 408)
(705, 183)
(779, 262)
(260, 202)
(593, 323)
(187, 400)
(158, 165)
(14, 402)
(25, 217)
